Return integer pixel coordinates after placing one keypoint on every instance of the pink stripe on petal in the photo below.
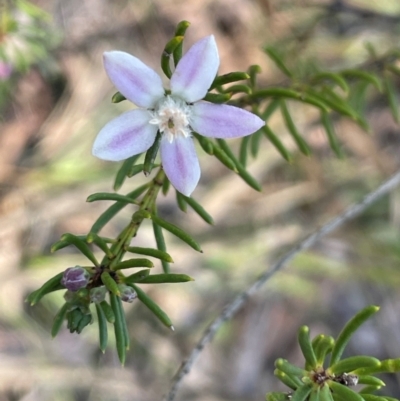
(223, 121)
(134, 79)
(196, 70)
(180, 163)
(125, 136)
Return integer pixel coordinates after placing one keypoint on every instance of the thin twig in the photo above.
(232, 308)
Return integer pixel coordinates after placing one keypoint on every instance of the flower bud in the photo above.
(75, 278)
(98, 294)
(127, 293)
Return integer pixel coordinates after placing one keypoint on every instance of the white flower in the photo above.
(175, 115)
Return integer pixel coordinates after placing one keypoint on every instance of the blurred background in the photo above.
(54, 98)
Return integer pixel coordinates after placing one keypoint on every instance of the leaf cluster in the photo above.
(327, 377)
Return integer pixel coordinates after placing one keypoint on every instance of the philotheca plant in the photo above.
(199, 107)
(348, 379)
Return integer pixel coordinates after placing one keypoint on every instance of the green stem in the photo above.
(118, 249)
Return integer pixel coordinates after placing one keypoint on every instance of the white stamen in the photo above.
(172, 115)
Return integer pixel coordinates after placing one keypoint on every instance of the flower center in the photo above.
(172, 115)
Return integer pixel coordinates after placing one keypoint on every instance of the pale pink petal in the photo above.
(125, 136)
(196, 70)
(137, 82)
(180, 163)
(223, 121)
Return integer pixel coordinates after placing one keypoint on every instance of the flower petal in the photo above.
(196, 70)
(181, 164)
(134, 79)
(125, 136)
(223, 121)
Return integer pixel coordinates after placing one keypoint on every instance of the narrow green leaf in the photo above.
(224, 158)
(180, 31)
(199, 210)
(368, 390)
(229, 78)
(124, 324)
(348, 330)
(110, 196)
(118, 328)
(205, 143)
(178, 232)
(160, 241)
(306, 347)
(165, 186)
(51, 285)
(365, 76)
(325, 393)
(243, 150)
(137, 262)
(108, 312)
(330, 131)
(165, 278)
(253, 70)
(392, 97)
(292, 382)
(286, 367)
(59, 320)
(161, 315)
(302, 393)
(110, 284)
(289, 93)
(59, 245)
(137, 277)
(314, 395)
(370, 381)
(323, 347)
(275, 396)
(109, 213)
(155, 253)
(217, 98)
(151, 155)
(336, 78)
(81, 246)
(238, 89)
(345, 392)
(118, 97)
(136, 169)
(335, 102)
(277, 59)
(180, 200)
(99, 241)
(357, 97)
(386, 366)
(124, 170)
(272, 106)
(354, 362)
(301, 143)
(103, 331)
(255, 142)
(170, 47)
(251, 181)
(277, 143)
(373, 397)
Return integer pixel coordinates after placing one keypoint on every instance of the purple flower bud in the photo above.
(98, 294)
(127, 293)
(75, 278)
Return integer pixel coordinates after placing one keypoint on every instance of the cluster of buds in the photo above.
(79, 296)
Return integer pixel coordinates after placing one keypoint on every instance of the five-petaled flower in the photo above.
(174, 115)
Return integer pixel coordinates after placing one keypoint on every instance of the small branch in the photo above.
(231, 309)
